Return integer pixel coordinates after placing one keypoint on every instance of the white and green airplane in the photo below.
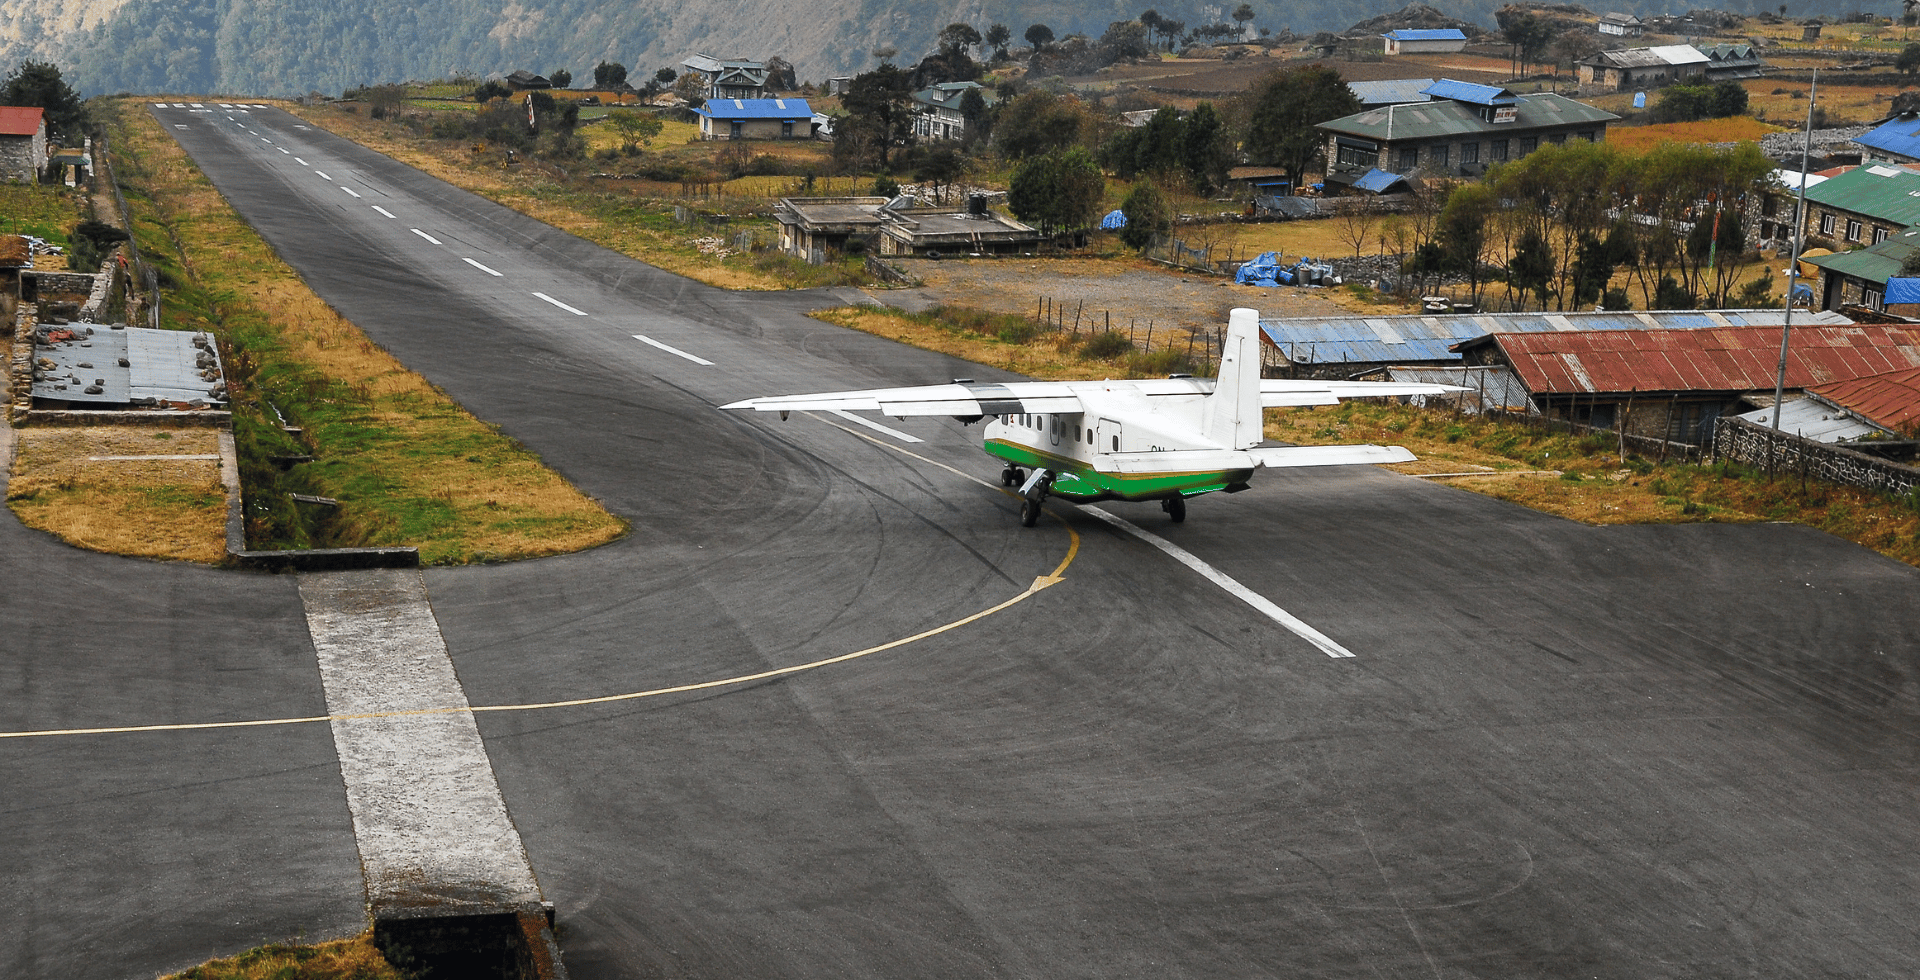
(1161, 439)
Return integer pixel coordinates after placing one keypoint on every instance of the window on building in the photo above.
(733, 129)
(1880, 235)
(786, 129)
(1439, 155)
(1853, 230)
(1409, 158)
(1588, 135)
(1528, 144)
(1469, 153)
(1497, 150)
(1826, 223)
(1354, 156)
(1557, 139)
(1873, 297)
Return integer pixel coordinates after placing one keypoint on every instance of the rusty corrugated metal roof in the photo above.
(1707, 359)
(1891, 399)
(18, 120)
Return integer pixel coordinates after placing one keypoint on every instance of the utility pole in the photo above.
(1799, 241)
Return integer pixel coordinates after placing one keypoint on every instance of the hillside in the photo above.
(281, 47)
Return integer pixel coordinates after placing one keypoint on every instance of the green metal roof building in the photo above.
(1859, 277)
(1864, 206)
(1465, 129)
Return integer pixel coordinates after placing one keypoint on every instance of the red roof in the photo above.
(1705, 359)
(1891, 399)
(19, 120)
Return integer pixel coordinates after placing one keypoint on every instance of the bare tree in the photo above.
(1356, 226)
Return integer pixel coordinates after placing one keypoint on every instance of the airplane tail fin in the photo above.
(1231, 417)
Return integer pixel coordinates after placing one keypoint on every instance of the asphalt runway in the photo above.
(1558, 750)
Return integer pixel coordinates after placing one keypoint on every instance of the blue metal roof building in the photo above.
(756, 109)
(1447, 88)
(755, 119)
(1411, 34)
(1895, 141)
(1367, 342)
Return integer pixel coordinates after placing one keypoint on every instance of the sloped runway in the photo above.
(1557, 751)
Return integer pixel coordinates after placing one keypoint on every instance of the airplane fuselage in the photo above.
(1119, 420)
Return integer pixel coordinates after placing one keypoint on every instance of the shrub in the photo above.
(1106, 346)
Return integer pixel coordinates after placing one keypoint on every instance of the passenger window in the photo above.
(1116, 444)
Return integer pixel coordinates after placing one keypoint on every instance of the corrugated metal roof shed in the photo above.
(1411, 34)
(128, 365)
(1899, 136)
(1391, 91)
(1891, 399)
(1877, 191)
(1679, 54)
(16, 120)
(1718, 359)
(1408, 339)
(1810, 418)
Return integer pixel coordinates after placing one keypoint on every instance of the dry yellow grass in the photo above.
(344, 959)
(169, 509)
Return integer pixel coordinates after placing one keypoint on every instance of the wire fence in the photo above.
(1200, 346)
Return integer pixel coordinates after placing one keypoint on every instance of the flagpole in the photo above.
(1799, 240)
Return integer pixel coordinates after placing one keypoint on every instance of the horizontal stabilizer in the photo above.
(1224, 460)
(1036, 397)
(1330, 455)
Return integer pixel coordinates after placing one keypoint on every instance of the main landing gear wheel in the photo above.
(1029, 513)
(1012, 476)
(1176, 508)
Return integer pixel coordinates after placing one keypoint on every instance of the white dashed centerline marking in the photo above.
(382, 210)
(572, 310)
(323, 175)
(1223, 580)
(477, 265)
(877, 427)
(424, 235)
(649, 341)
(349, 190)
(265, 140)
(300, 161)
(282, 149)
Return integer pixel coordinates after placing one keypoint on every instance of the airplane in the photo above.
(1162, 439)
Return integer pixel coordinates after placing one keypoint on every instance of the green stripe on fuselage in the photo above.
(1075, 479)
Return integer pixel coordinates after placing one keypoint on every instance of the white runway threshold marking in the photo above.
(427, 812)
(875, 426)
(349, 190)
(569, 309)
(424, 235)
(649, 341)
(477, 265)
(1256, 600)
(382, 210)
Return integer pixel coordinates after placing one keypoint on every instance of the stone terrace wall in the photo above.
(1761, 447)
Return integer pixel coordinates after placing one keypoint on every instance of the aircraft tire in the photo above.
(1009, 477)
(1176, 508)
(1029, 513)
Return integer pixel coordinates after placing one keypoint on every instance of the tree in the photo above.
(1282, 110)
(997, 37)
(1909, 60)
(940, 169)
(1241, 15)
(1152, 22)
(490, 90)
(1125, 39)
(1464, 225)
(636, 129)
(1036, 123)
(1153, 149)
(1039, 36)
(38, 84)
(1530, 270)
(691, 87)
(881, 101)
(1148, 215)
(958, 39)
(973, 109)
(665, 76)
(1059, 191)
(609, 75)
(1205, 149)
(560, 77)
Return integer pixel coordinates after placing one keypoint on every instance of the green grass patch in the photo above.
(41, 210)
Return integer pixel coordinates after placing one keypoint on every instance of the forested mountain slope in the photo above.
(284, 47)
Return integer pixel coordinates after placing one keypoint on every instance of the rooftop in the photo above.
(795, 109)
(127, 365)
(1899, 135)
(1441, 34)
(1451, 118)
(1890, 399)
(1468, 92)
(1722, 359)
(1391, 91)
(18, 120)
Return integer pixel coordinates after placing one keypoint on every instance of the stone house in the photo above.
(1410, 41)
(940, 117)
(755, 119)
(23, 143)
(1619, 25)
(730, 78)
(1862, 207)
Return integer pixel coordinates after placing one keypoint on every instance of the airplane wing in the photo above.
(1205, 460)
(961, 399)
(1283, 393)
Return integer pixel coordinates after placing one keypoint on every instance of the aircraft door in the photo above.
(1106, 436)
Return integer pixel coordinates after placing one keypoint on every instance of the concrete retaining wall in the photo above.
(1762, 448)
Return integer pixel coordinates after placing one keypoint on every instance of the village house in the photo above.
(1674, 384)
(1619, 25)
(730, 79)
(1465, 129)
(940, 117)
(521, 80)
(1391, 91)
(1644, 68)
(1860, 277)
(755, 119)
(1897, 140)
(23, 143)
(1410, 41)
(1864, 206)
(902, 226)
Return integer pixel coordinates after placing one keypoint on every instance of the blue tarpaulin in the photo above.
(1380, 181)
(1114, 219)
(1903, 289)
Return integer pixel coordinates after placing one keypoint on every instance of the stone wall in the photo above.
(1761, 447)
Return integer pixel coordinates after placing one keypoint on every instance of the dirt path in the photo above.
(1127, 290)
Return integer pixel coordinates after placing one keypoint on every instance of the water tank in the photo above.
(977, 205)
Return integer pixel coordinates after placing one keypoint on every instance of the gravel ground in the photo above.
(1129, 290)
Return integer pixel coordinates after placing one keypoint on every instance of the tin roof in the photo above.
(1812, 418)
(1877, 264)
(1724, 359)
(1430, 339)
(795, 109)
(1391, 91)
(1899, 136)
(1447, 88)
(128, 365)
(950, 93)
(1450, 118)
(1891, 399)
(1442, 34)
(19, 120)
(1891, 194)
